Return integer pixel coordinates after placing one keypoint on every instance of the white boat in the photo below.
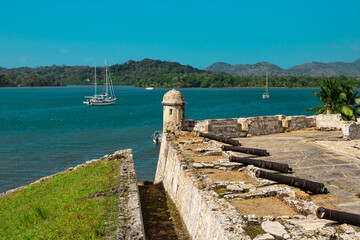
(266, 95)
(149, 88)
(106, 98)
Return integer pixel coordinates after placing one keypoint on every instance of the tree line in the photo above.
(215, 80)
(148, 72)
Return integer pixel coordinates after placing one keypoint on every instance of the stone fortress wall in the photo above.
(264, 125)
(204, 214)
(198, 208)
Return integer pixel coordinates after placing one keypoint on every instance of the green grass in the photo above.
(253, 230)
(59, 208)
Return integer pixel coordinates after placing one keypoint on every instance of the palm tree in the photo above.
(349, 107)
(338, 99)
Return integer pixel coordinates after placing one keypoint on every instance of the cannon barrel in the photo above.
(221, 139)
(262, 164)
(303, 184)
(343, 217)
(253, 151)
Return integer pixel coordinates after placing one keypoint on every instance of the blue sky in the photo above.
(198, 33)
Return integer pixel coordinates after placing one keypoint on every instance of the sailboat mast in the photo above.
(106, 76)
(267, 87)
(95, 79)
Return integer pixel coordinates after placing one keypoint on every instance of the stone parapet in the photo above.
(264, 125)
(255, 126)
(329, 121)
(131, 225)
(351, 130)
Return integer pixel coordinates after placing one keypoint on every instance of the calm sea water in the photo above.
(46, 130)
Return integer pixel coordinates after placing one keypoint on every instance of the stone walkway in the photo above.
(318, 156)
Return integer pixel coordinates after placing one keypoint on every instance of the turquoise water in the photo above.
(46, 130)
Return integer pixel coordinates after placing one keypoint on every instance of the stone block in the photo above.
(224, 127)
(329, 121)
(351, 130)
(274, 228)
(197, 165)
(265, 236)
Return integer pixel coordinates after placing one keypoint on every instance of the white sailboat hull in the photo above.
(101, 102)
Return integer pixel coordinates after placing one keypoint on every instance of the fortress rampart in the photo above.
(188, 163)
(264, 125)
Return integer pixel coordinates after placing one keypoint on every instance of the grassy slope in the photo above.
(59, 208)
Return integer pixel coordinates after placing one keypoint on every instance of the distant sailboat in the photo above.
(106, 98)
(266, 95)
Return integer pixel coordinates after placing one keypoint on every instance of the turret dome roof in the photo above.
(173, 97)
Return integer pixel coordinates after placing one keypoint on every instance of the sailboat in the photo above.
(106, 98)
(266, 95)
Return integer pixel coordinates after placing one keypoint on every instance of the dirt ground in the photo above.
(161, 218)
(217, 175)
(207, 158)
(270, 206)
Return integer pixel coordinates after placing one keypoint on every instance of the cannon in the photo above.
(221, 139)
(303, 184)
(281, 167)
(253, 151)
(343, 217)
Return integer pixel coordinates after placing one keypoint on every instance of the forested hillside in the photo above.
(158, 73)
(128, 73)
(313, 69)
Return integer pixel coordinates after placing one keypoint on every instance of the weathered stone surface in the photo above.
(224, 127)
(197, 165)
(208, 165)
(234, 188)
(274, 228)
(230, 164)
(330, 121)
(310, 225)
(265, 236)
(351, 130)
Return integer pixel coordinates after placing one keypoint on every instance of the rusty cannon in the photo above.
(220, 139)
(343, 217)
(281, 167)
(303, 184)
(253, 151)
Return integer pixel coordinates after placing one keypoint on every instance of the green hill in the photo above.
(128, 73)
(315, 69)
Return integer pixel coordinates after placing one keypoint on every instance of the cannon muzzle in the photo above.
(343, 217)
